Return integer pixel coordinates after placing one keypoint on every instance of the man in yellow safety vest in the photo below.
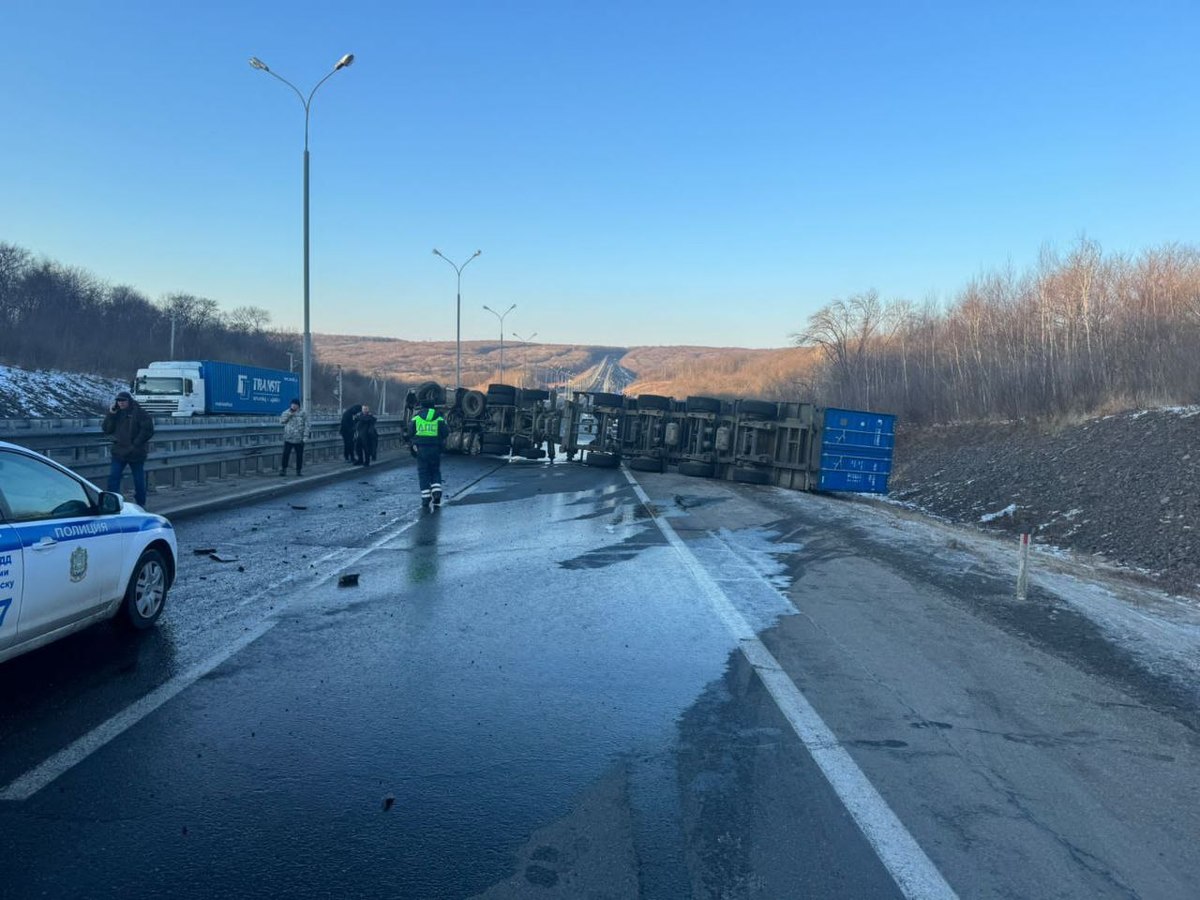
(428, 433)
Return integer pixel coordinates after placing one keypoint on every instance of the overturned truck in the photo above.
(794, 445)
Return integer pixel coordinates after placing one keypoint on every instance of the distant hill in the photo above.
(671, 371)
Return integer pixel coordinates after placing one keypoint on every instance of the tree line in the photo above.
(1073, 334)
(54, 316)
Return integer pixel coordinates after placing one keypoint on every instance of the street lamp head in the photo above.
(344, 62)
(437, 252)
(477, 252)
(258, 64)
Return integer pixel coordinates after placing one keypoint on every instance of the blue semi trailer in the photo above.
(207, 387)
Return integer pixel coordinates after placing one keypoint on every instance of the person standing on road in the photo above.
(428, 435)
(131, 428)
(295, 430)
(347, 430)
(366, 437)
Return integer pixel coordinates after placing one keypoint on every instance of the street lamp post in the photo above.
(525, 353)
(501, 316)
(457, 315)
(342, 63)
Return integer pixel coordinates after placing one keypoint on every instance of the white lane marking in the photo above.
(913, 871)
(74, 753)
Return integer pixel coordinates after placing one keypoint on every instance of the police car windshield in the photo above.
(146, 385)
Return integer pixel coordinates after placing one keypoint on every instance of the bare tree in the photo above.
(248, 318)
(843, 331)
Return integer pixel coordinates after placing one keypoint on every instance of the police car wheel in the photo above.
(147, 591)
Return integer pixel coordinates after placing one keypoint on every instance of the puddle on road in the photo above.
(646, 536)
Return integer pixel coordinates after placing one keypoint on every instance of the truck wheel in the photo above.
(760, 409)
(703, 404)
(614, 400)
(602, 460)
(473, 404)
(748, 475)
(532, 395)
(495, 446)
(645, 464)
(430, 392)
(696, 469)
(147, 591)
(501, 395)
(653, 401)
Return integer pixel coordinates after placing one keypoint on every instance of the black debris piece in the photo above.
(350, 579)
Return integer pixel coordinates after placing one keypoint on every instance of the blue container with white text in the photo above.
(856, 451)
(234, 388)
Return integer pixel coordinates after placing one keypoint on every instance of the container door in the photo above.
(856, 451)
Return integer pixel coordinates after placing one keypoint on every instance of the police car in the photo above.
(71, 554)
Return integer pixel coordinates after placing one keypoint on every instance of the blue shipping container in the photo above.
(856, 451)
(234, 388)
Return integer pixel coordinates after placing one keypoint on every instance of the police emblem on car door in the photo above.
(78, 563)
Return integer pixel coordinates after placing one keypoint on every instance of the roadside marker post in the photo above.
(1023, 571)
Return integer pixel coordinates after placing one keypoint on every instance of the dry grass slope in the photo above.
(673, 371)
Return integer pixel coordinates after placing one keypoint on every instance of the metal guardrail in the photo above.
(186, 449)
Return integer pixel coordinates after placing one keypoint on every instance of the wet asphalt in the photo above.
(527, 695)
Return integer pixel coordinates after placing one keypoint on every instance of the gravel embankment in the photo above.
(1124, 487)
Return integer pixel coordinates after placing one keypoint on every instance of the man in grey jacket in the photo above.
(295, 430)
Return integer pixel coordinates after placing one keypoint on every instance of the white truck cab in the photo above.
(172, 388)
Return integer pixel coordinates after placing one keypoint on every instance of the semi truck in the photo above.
(210, 388)
(795, 445)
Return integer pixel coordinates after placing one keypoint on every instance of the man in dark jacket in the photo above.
(347, 430)
(366, 437)
(131, 428)
(428, 434)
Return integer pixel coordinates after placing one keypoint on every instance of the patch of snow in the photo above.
(27, 393)
(1183, 411)
(992, 517)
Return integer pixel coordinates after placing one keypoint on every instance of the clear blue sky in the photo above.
(634, 172)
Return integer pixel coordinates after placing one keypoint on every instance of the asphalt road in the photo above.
(568, 684)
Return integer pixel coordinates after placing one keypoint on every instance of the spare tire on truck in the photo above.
(501, 395)
(760, 409)
(616, 401)
(473, 404)
(430, 392)
(703, 405)
(602, 460)
(495, 444)
(653, 401)
(751, 475)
